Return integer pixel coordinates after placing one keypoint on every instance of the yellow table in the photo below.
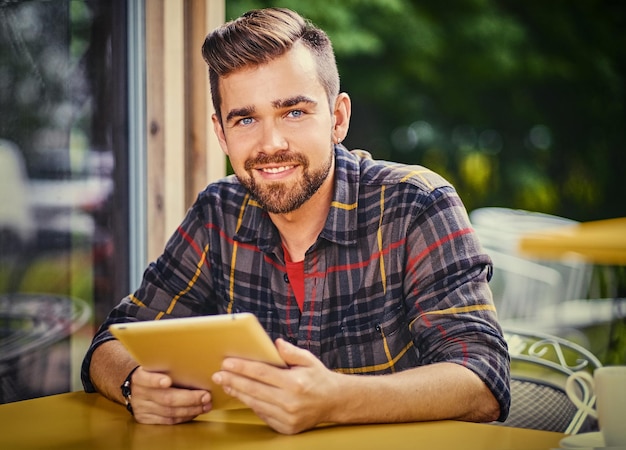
(600, 242)
(89, 421)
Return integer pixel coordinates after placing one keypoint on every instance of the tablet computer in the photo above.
(191, 350)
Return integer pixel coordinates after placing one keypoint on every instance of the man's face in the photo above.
(277, 130)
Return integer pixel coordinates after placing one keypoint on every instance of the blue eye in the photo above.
(246, 121)
(296, 113)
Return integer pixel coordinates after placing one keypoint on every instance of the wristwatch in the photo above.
(126, 393)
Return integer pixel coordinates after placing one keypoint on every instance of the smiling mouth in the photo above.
(276, 164)
(274, 170)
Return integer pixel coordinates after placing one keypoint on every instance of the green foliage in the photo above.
(524, 101)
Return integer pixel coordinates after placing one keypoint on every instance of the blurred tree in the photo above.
(519, 104)
(32, 84)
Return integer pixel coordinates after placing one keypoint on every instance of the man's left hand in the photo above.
(289, 400)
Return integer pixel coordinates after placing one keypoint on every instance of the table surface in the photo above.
(88, 421)
(598, 242)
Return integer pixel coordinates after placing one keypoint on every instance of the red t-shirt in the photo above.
(295, 272)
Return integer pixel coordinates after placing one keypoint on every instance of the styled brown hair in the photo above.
(261, 35)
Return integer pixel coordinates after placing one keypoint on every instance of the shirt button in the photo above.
(286, 278)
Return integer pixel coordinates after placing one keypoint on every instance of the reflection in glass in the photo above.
(58, 165)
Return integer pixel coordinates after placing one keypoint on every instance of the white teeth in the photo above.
(276, 169)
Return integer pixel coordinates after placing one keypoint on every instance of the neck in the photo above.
(299, 229)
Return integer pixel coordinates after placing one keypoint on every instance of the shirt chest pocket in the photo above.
(375, 347)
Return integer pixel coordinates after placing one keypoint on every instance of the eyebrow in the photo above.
(240, 112)
(293, 101)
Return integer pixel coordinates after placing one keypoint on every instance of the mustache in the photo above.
(279, 158)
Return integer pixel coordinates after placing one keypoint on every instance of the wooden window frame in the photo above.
(182, 152)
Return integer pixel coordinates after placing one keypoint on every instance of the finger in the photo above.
(155, 419)
(265, 399)
(254, 370)
(169, 405)
(265, 402)
(242, 377)
(294, 356)
(172, 397)
(150, 379)
(152, 413)
(275, 415)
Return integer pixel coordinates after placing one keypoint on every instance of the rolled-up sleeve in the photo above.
(453, 314)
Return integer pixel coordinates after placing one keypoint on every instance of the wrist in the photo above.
(343, 398)
(127, 391)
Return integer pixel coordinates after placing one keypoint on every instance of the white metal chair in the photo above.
(31, 324)
(500, 229)
(540, 366)
(522, 288)
(535, 294)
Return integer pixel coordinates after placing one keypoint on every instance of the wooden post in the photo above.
(182, 152)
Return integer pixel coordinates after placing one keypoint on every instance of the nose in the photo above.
(272, 139)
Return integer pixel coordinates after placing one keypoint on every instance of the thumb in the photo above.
(151, 379)
(293, 355)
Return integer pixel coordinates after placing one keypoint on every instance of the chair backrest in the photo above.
(500, 229)
(540, 366)
(505, 225)
(522, 288)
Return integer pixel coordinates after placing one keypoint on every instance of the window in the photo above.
(105, 141)
(64, 196)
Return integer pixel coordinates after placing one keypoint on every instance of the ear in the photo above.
(219, 132)
(341, 117)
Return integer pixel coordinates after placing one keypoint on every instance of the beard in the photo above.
(282, 198)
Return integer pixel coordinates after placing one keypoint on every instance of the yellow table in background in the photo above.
(89, 421)
(601, 242)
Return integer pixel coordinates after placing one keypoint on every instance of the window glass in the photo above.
(63, 186)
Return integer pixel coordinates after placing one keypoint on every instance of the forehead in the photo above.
(291, 74)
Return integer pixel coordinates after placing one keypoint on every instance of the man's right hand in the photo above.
(155, 401)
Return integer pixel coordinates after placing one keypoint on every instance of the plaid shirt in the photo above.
(396, 279)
